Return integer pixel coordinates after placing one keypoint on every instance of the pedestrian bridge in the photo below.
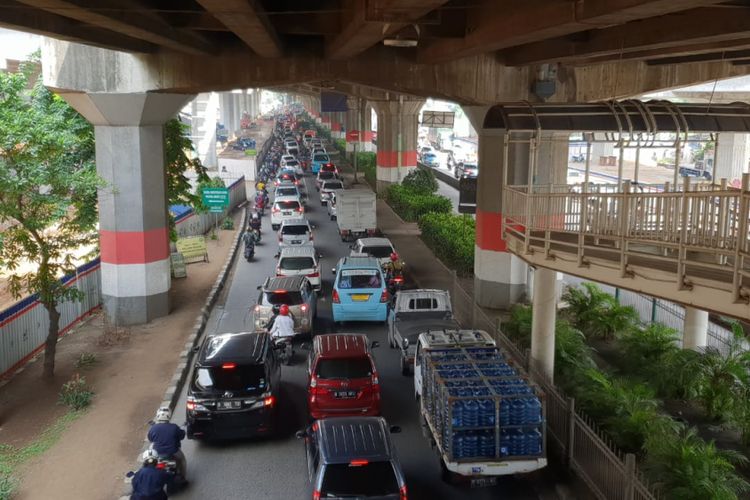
(686, 243)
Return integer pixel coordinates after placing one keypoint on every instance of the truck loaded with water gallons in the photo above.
(478, 409)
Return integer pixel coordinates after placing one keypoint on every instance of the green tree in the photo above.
(179, 151)
(48, 188)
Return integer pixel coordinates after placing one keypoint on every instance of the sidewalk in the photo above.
(133, 368)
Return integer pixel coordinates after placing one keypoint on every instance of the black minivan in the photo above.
(234, 387)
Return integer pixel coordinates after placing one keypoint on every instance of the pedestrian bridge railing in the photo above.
(689, 245)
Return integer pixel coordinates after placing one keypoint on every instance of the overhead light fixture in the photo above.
(407, 37)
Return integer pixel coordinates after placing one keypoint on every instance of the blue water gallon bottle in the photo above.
(533, 442)
(505, 443)
(533, 411)
(471, 413)
(517, 411)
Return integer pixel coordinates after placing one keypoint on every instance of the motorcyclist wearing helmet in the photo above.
(255, 221)
(149, 482)
(283, 325)
(166, 438)
(394, 265)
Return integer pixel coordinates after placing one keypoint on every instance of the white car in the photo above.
(288, 189)
(327, 188)
(286, 158)
(296, 165)
(284, 208)
(300, 261)
(380, 248)
(295, 233)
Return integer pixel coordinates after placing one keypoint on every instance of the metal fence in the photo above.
(609, 473)
(23, 326)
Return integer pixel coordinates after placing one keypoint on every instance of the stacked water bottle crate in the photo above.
(481, 406)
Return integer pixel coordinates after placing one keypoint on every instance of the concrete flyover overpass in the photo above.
(128, 66)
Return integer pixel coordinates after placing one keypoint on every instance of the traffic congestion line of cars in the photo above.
(235, 386)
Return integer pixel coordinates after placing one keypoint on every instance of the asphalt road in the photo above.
(275, 468)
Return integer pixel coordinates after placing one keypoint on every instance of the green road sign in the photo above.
(216, 197)
(215, 209)
(251, 152)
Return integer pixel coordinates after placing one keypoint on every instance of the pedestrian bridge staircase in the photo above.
(688, 245)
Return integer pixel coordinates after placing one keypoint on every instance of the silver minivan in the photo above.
(295, 233)
(300, 261)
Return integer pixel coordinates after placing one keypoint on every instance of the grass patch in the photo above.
(86, 360)
(11, 457)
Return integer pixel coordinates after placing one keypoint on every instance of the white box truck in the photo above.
(356, 213)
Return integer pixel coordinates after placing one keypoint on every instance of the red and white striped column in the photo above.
(398, 123)
(499, 276)
(133, 223)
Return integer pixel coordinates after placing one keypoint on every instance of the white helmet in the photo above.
(149, 456)
(163, 414)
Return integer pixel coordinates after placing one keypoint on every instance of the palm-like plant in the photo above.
(739, 414)
(645, 348)
(678, 374)
(584, 303)
(612, 321)
(572, 354)
(685, 467)
(518, 327)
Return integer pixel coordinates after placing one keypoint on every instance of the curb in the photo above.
(184, 364)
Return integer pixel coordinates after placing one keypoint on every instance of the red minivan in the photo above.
(342, 378)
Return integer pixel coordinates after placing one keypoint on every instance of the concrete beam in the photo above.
(361, 31)
(652, 56)
(707, 25)
(509, 23)
(247, 19)
(121, 17)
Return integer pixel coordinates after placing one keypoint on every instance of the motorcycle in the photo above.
(260, 205)
(256, 234)
(285, 348)
(249, 251)
(176, 481)
(395, 283)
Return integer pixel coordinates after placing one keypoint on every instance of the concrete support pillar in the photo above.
(499, 276)
(543, 322)
(225, 103)
(133, 224)
(365, 138)
(236, 114)
(731, 157)
(695, 329)
(337, 125)
(398, 124)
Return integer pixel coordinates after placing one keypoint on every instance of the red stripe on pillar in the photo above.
(366, 136)
(326, 119)
(335, 127)
(489, 227)
(134, 247)
(389, 159)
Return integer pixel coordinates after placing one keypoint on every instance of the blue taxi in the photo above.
(318, 160)
(360, 291)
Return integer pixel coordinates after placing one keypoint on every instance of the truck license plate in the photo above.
(481, 482)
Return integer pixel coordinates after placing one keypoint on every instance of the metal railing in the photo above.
(699, 231)
(609, 473)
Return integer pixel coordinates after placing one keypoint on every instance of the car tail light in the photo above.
(385, 296)
(398, 279)
(337, 300)
(229, 366)
(314, 275)
(275, 210)
(161, 465)
(190, 403)
(316, 495)
(257, 308)
(300, 209)
(269, 401)
(303, 307)
(402, 493)
(358, 462)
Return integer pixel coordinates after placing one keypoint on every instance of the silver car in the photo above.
(295, 233)
(294, 291)
(285, 208)
(327, 188)
(300, 261)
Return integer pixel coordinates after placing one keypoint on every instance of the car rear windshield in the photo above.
(326, 175)
(379, 252)
(230, 377)
(287, 191)
(286, 176)
(295, 230)
(329, 167)
(370, 480)
(333, 185)
(359, 278)
(279, 297)
(292, 163)
(344, 368)
(287, 205)
(296, 263)
(320, 157)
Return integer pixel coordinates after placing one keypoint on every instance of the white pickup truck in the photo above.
(483, 417)
(414, 312)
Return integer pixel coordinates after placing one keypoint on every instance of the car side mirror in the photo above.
(374, 344)
(405, 344)
(351, 247)
(300, 434)
(196, 348)
(395, 429)
(258, 287)
(277, 255)
(320, 255)
(313, 226)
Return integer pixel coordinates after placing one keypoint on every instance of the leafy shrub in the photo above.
(421, 181)
(451, 238)
(518, 327)
(718, 378)
(7, 485)
(645, 348)
(572, 354)
(366, 163)
(227, 223)
(75, 394)
(85, 360)
(677, 376)
(685, 467)
(340, 144)
(411, 205)
(597, 313)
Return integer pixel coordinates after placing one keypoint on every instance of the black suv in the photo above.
(234, 387)
(353, 457)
